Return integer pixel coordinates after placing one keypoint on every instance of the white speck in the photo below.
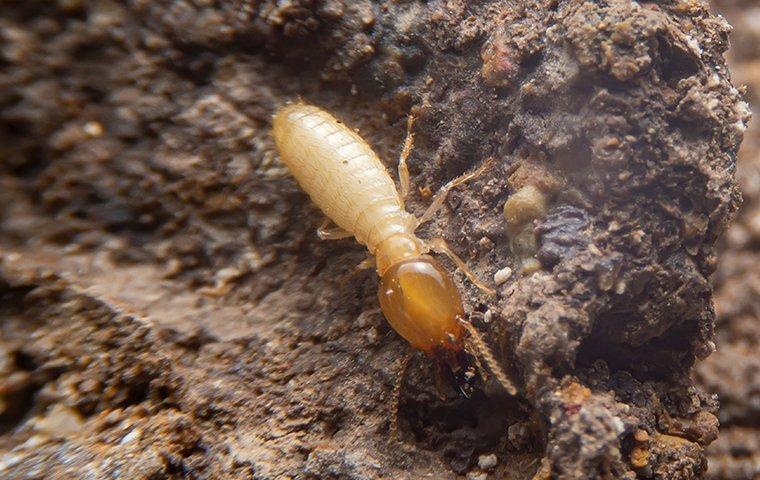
(693, 44)
(93, 129)
(740, 126)
(487, 462)
(130, 437)
(502, 275)
(742, 110)
(618, 425)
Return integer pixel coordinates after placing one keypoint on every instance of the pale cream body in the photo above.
(347, 181)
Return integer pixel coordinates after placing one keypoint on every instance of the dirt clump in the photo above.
(166, 302)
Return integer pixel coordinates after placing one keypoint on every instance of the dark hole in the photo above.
(676, 63)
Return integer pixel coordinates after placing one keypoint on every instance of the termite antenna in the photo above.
(484, 351)
(396, 397)
(478, 365)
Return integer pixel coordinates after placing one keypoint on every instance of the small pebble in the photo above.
(502, 275)
(487, 462)
(93, 129)
(530, 265)
(132, 436)
(486, 243)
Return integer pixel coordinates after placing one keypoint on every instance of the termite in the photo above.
(345, 178)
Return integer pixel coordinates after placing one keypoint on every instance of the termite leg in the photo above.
(334, 233)
(485, 352)
(403, 169)
(440, 196)
(439, 245)
(396, 396)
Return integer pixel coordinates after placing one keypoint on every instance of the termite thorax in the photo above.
(396, 248)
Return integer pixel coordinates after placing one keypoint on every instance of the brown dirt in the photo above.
(733, 371)
(167, 311)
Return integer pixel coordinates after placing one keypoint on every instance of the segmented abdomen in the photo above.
(341, 174)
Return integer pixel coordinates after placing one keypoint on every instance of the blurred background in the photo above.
(733, 371)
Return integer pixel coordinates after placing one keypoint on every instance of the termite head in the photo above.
(422, 304)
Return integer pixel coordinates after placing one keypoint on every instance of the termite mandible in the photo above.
(345, 178)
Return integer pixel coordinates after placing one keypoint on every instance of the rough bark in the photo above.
(168, 312)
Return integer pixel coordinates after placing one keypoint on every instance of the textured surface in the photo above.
(341, 174)
(167, 311)
(733, 372)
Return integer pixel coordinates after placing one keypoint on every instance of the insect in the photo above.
(348, 182)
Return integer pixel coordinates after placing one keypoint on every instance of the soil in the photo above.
(733, 371)
(168, 312)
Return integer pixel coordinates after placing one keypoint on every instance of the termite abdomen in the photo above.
(341, 173)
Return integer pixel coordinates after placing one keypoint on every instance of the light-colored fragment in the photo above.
(487, 462)
(60, 421)
(502, 275)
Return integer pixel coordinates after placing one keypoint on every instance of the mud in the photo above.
(168, 312)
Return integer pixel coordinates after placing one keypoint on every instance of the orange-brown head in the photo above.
(422, 304)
